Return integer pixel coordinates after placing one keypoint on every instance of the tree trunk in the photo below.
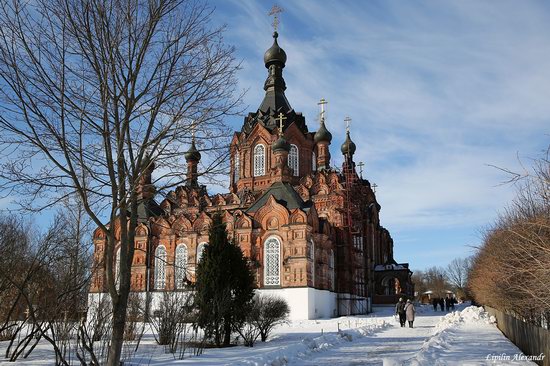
(227, 332)
(217, 336)
(117, 334)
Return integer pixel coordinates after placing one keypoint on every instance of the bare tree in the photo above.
(94, 94)
(510, 270)
(457, 274)
(436, 281)
(173, 320)
(270, 312)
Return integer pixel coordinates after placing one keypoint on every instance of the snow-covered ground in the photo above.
(465, 337)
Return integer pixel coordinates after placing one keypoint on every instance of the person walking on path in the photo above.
(400, 310)
(435, 301)
(410, 312)
(442, 304)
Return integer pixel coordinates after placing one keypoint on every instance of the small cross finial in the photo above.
(275, 11)
(280, 118)
(348, 122)
(361, 165)
(374, 185)
(322, 103)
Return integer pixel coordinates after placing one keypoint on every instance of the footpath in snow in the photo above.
(465, 337)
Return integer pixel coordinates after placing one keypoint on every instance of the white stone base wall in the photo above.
(304, 302)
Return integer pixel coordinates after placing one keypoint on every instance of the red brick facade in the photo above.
(317, 227)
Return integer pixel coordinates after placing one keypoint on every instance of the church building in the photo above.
(311, 231)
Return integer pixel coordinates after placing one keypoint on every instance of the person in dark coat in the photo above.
(434, 303)
(447, 303)
(410, 312)
(400, 310)
(442, 304)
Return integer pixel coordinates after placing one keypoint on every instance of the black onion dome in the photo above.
(275, 54)
(280, 145)
(348, 147)
(193, 154)
(322, 134)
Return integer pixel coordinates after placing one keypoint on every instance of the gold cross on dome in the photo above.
(348, 122)
(275, 11)
(280, 118)
(322, 103)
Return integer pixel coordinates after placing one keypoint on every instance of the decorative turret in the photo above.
(348, 149)
(274, 101)
(281, 145)
(322, 139)
(145, 189)
(281, 148)
(322, 134)
(192, 156)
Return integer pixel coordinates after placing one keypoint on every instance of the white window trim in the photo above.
(294, 160)
(160, 268)
(272, 279)
(259, 160)
(180, 266)
(236, 167)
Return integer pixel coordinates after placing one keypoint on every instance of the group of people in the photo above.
(445, 304)
(406, 312)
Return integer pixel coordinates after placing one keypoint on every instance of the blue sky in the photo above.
(437, 91)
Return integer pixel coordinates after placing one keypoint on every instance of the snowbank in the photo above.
(470, 315)
(308, 345)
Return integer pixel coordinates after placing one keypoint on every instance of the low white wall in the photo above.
(304, 302)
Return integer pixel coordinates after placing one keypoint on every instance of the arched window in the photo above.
(293, 159)
(311, 251)
(313, 162)
(160, 267)
(200, 251)
(180, 265)
(117, 269)
(259, 160)
(272, 259)
(236, 167)
(331, 269)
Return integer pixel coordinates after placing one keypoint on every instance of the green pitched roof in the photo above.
(284, 194)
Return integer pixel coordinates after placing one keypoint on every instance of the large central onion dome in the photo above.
(275, 54)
